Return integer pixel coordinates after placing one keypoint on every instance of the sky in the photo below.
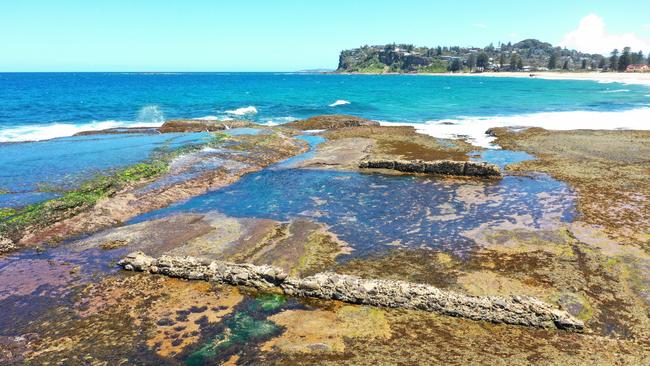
(289, 35)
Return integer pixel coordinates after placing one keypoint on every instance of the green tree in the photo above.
(513, 61)
(482, 60)
(520, 63)
(502, 59)
(625, 60)
(613, 60)
(439, 51)
(471, 62)
(565, 66)
(601, 63)
(552, 62)
(584, 64)
(455, 65)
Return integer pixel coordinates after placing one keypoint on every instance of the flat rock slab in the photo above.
(443, 167)
(517, 310)
(200, 125)
(331, 122)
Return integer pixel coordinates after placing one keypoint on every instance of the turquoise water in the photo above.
(31, 103)
(33, 171)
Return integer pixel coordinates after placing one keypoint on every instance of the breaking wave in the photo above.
(243, 111)
(474, 128)
(339, 102)
(56, 130)
(150, 113)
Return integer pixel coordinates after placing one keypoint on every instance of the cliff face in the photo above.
(530, 53)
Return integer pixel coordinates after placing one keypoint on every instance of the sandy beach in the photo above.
(603, 77)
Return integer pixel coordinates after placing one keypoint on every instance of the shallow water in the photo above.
(374, 212)
(30, 171)
(500, 157)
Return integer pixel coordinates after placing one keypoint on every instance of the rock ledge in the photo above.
(517, 310)
(443, 167)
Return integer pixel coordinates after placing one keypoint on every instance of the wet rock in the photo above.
(118, 130)
(331, 122)
(200, 125)
(443, 167)
(14, 348)
(114, 244)
(6, 245)
(518, 310)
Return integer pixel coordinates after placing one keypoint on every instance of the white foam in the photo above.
(55, 130)
(339, 102)
(213, 118)
(243, 111)
(616, 91)
(274, 121)
(474, 128)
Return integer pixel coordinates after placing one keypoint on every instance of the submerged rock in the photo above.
(444, 167)
(517, 310)
(331, 122)
(200, 125)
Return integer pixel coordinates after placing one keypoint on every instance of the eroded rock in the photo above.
(517, 310)
(6, 245)
(200, 125)
(443, 167)
(331, 122)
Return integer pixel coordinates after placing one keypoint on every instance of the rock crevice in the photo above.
(516, 310)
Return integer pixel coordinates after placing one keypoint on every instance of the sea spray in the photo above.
(150, 113)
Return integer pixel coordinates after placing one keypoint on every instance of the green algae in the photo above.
(6, 212)
(241, 328)
(15, 221)
(268, 302)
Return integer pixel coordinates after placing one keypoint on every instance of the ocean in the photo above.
(40, 113)
(40, 106)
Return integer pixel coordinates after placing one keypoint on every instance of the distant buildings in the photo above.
(638, 68)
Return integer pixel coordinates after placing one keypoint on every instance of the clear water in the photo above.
(30, 171)
(373, 212)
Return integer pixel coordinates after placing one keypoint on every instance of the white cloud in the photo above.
(646, 26)
(513, 35)
(479, 25)
(592, 37)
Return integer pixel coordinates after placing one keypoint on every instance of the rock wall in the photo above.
(517, 310)
(444, 167)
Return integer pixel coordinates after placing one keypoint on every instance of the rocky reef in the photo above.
(515, 310)
(200, 125)
(331, 122)
(443, 167)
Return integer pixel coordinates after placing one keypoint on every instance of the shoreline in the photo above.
(602, 77)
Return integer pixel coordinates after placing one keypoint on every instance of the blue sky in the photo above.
(283, 35)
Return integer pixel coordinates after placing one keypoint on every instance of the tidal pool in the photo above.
(374, 212)
(31, 172)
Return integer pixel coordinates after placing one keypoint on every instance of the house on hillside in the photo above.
(638, 68)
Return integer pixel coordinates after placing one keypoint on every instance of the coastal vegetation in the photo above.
(527, 55)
